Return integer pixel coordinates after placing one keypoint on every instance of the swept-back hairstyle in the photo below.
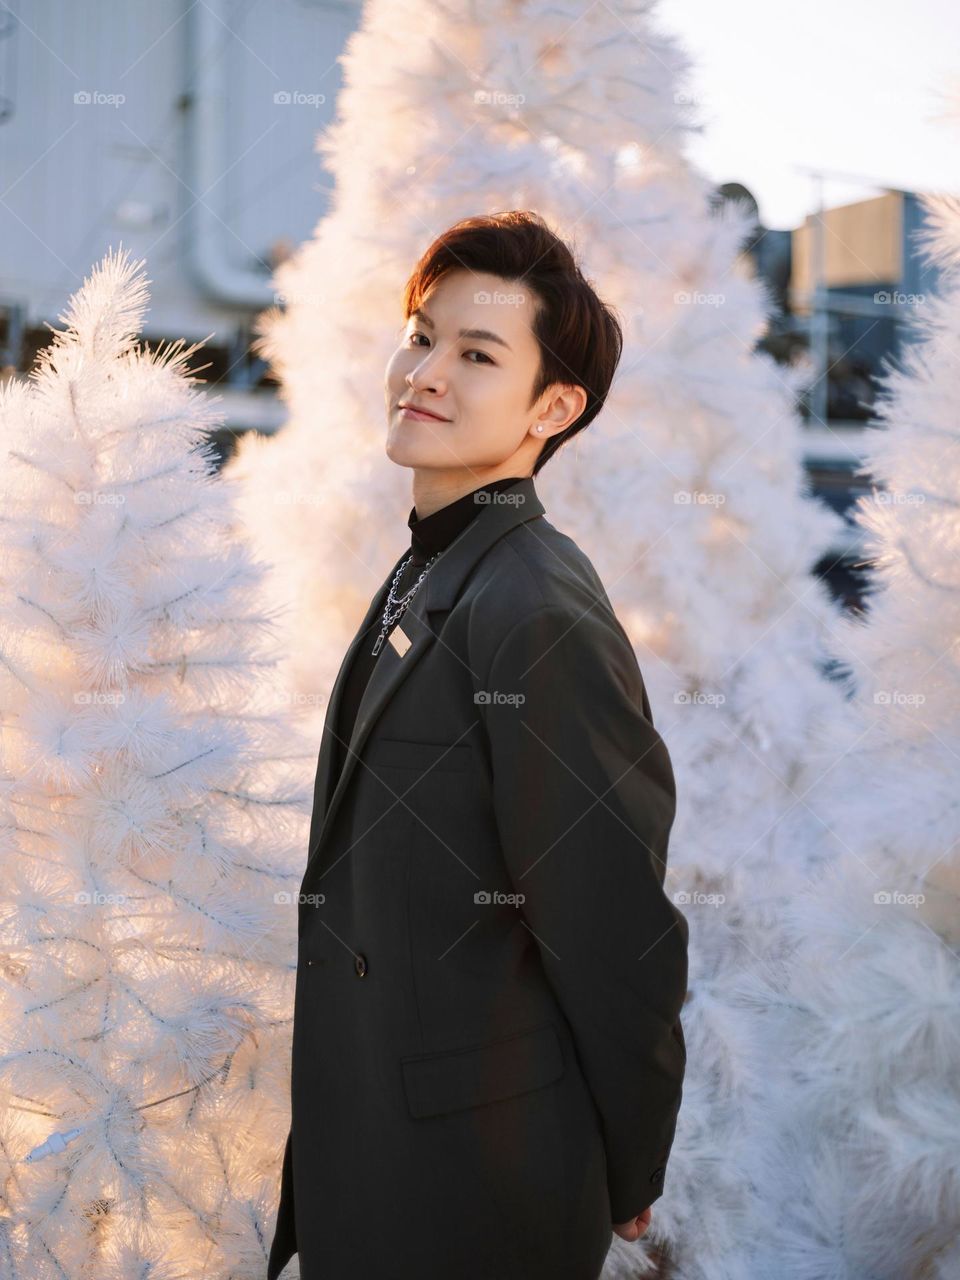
(579, 337)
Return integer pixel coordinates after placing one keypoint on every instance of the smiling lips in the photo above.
(420, 415)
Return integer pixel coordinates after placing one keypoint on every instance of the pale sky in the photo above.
(852, 87)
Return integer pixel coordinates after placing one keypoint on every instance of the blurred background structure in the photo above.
(186, 132)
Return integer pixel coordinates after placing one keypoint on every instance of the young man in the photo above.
(487, 1052)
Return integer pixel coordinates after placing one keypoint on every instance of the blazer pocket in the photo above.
(397, 753)
(436, 1083)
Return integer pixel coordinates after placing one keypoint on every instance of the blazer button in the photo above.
(657, 1175)
(360, 964)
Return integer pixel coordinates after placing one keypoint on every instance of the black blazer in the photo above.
(487, 1053)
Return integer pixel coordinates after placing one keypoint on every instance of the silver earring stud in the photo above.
(539, 428)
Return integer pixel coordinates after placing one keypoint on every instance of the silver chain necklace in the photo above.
(396, 605)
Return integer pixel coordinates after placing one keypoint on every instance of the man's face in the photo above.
(470, 356)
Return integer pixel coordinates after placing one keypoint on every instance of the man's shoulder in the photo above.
(533, 566)
(532, 572)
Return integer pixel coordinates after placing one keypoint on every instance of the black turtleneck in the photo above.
(428, 536)
(435, 532)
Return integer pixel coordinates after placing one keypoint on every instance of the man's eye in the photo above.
(484, 358)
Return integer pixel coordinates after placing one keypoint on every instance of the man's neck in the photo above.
(435, 489)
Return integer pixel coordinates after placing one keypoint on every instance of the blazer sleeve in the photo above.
(584, 801)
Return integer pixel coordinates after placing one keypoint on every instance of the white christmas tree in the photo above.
(153, 821)
(687, 493)
(862, 1055)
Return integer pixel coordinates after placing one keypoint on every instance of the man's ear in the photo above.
(565, 404)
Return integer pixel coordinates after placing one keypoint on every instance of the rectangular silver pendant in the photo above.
(399, 641)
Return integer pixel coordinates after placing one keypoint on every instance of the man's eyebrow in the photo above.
(480, 335)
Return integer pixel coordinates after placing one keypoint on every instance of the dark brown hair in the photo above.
(579, 336)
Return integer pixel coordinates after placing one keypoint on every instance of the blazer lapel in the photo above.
(325, 763)
(436, 596)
